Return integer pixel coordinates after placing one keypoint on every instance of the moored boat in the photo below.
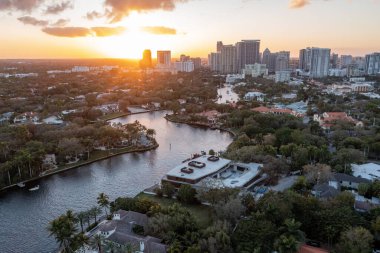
(37, 187)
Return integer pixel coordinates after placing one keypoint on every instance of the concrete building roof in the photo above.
(209, 168)
(370, 171)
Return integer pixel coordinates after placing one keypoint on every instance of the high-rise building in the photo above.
(219, 46)
(164, 59)
(276, 61)
(197, 62)
(372, 64)
(319, 62)
(304, 59)
(265, 58)
(146, 61)
(345, 61)
(247, 52)
(184, 58)
(282, 61)
(184, 66)
(214, 61)
(334, 61)
(228, 59)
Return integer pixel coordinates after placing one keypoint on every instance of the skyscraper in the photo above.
(334, 61)
(164, 59)
(247, 52)
(319, 62)
(228, 59)
(219, 46)
(282, 61)
(304, 59)
(214, 61)
(197, 62)
(345, 61)
(372, 64)
(146, 61)
(266, 55)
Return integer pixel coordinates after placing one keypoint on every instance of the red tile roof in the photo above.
(309, 249)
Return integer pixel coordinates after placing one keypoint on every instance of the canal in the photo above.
(25, 215)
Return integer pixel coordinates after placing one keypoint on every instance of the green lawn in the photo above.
(203, 214)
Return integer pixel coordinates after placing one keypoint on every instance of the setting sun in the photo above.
(130, 44)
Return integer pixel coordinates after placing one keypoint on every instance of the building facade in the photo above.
(319, 62)
(228, 59)
(247, 52)
(164, 59)
(372, 64)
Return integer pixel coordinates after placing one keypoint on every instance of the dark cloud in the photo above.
(298, 3)
(107, 31)
(118, 9)
(58, 8)
(61, 22)
(70, 32)
(20, 5)
(74, 32)
(160, 30)
(94, 15)
(28, 20)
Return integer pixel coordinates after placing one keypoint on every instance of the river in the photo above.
(25, 215)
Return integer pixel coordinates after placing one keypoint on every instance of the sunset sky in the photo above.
(124, 28)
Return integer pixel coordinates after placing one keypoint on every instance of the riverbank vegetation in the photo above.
(35, 150)
(233, 222)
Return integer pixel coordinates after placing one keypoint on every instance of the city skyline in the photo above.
(124, 29)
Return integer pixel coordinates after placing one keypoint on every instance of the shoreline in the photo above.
(201, 126)
(121, 115)
(75, 166)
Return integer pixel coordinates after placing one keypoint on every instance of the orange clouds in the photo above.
(160, 30)
(74, 32)
(298, 3)
(118, 9)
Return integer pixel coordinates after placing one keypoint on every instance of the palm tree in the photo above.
(103, 201)
(63, 229)
(6, 168)
(97, 241)
(151, 132)
(110, 247)
(81, 240)
(81, 216)
(95, 212)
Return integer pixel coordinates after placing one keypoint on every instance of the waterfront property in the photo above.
(126, 229)
(193, 171)
(213, 172)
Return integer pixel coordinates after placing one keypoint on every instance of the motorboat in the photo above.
(21, 185)
(35, 188)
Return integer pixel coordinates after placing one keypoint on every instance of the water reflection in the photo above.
(24, 215)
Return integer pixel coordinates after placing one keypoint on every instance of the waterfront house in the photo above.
(128, 228)
(213, 172)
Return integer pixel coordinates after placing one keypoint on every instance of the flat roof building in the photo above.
(193, 171)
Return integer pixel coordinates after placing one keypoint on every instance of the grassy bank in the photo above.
(202, 213)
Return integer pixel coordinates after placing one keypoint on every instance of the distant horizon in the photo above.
(67, 29)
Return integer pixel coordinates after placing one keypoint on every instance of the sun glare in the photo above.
(130, 44)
